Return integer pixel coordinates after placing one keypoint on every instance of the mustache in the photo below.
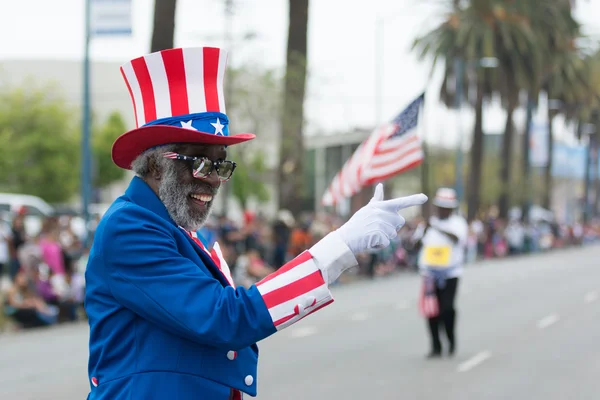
(202, 188)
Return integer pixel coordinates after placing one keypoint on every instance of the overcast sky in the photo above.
(342, 52)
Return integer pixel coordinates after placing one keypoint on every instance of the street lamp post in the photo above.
(379, 60)
(85, 140)
(228, 27)
(102, 18)
(378, 68)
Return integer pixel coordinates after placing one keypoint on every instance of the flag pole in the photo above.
(425, 175)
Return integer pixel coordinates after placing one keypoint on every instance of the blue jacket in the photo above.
(164, 321)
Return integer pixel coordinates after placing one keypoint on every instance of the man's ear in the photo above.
(155, 171)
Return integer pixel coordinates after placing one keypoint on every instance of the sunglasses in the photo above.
(202, 167)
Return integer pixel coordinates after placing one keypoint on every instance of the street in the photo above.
(527, 328)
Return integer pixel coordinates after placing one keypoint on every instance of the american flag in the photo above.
(428, 302)
(391, 149)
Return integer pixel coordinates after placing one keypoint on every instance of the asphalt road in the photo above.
(528, 328)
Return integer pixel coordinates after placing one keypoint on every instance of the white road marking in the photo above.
(359, 316)
(590, 297)
(402, 305)
(547, 321)
(474, 361)
(304, 331)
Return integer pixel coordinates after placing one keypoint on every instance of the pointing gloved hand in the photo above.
(371, 227)
(377, 223)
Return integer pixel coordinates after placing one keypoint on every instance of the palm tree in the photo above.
(520, 61)
(555, 28)
(483, 29)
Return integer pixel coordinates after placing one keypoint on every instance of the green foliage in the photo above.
(39, 136)
(248, 180)
(443, 169)
(253, 106)
(103, 137)
(491, 187)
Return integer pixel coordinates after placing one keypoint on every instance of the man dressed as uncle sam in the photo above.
(166, 321)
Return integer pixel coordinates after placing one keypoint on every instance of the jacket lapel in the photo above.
(206, 259)
(219, 259)
(140, 193)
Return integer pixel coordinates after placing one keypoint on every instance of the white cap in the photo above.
(445, 198)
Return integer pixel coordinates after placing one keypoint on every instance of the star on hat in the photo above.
(218, 127)
(188, 125)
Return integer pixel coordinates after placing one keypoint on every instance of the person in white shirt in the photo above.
(443, 241)
(515, 236)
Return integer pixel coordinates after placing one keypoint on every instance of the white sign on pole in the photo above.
(538, 145)
(110, 17)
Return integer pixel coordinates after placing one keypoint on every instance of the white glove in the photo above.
(377, 223)
(371, 227)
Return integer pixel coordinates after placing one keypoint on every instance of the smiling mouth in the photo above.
(201, 199)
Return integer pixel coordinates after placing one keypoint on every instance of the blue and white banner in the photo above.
(110, 17)
(569, 161)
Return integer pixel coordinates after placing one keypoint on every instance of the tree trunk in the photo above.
(476, 164)
(291, 177)
(526, 156)
(164, 25)
(547, 199)
(506, 156)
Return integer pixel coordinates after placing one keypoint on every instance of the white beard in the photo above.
(175, 197)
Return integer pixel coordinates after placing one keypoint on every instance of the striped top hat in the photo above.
(177, 97)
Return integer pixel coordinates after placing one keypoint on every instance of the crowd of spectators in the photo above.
(43, 282)
(256, 247)
(43, 274)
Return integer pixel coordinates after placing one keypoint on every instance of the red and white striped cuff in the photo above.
(298, 288)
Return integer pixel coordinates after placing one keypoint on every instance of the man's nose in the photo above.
(213, 179)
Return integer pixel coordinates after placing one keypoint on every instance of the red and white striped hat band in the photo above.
(179, 87)
(445, 198)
